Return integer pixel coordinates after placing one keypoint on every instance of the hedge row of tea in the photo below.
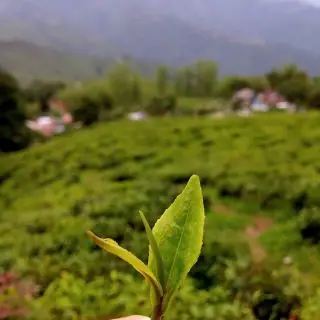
(101, 177)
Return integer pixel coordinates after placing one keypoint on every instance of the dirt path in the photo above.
(252, 232)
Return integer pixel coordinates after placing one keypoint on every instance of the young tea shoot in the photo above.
(174, 247)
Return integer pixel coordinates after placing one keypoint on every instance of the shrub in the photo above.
(124, 85)
(89, 104)
(314, 98)
(311, 307)
(159, 106)
(40, 91)
(70, 297)
(101, 177)
(291, 82)
(228, 86)
(310, 225)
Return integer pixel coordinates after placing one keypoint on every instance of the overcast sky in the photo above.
(316, 2)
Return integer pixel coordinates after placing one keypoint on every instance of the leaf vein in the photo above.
(178, 247)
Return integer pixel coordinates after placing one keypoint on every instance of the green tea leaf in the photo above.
(111, 246)
(155, 249)
(179, 234)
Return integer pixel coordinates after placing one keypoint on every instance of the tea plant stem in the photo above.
(157, 313)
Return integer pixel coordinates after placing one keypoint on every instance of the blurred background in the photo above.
(108, 107)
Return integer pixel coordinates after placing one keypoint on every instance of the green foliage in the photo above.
(99, 178)
(310, 225)
(272, 291)
(193, 90)
(206, 78)
(229, 85)
(13, 132)
(89, 104)
(41, 91)
(112, 247)
(162, 79)
(291, 82)
(178, 236)
(159, 106)
(311, 307)
(124, 83)
(200, 106)
(197, 80)
(106, 99)
(154, 251)
(76, 298)
(116, 295)
(224, 241)
(217, 303)
(314, 96)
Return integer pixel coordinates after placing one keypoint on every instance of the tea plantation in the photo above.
(261, 181)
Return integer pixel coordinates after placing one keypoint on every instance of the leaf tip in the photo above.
(91, 235)
(141, 214)
(194, 179)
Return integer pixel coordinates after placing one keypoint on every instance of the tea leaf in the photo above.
(111, 246)
(179, 234)
(155, 249)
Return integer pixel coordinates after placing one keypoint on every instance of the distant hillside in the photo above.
(292, 22)
(249, 39)
(28, 61)
(175, 42)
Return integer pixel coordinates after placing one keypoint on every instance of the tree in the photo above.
(314, 94)
(291, 82)
(197, 80)
(125, 85)
(228, 86)
(258, 83)
(160, 106)
(184, 82)
(41, 91)
(205, 78)
(89, 104)
(14, 134)
(136, 90)
(162, 79)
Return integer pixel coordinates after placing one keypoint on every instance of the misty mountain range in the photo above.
(243, 36)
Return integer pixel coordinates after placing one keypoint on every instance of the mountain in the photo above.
(28, 61)
(290, 22)
(243, 36)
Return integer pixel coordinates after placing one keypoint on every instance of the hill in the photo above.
(28, 61)
(100, 177)
(289, 22)
(242, 40)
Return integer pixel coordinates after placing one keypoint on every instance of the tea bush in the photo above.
(99, 179)
(120, 294)
(310, 225)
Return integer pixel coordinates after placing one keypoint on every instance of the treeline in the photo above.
(124, 89)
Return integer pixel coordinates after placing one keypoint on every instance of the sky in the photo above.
(315, 2)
